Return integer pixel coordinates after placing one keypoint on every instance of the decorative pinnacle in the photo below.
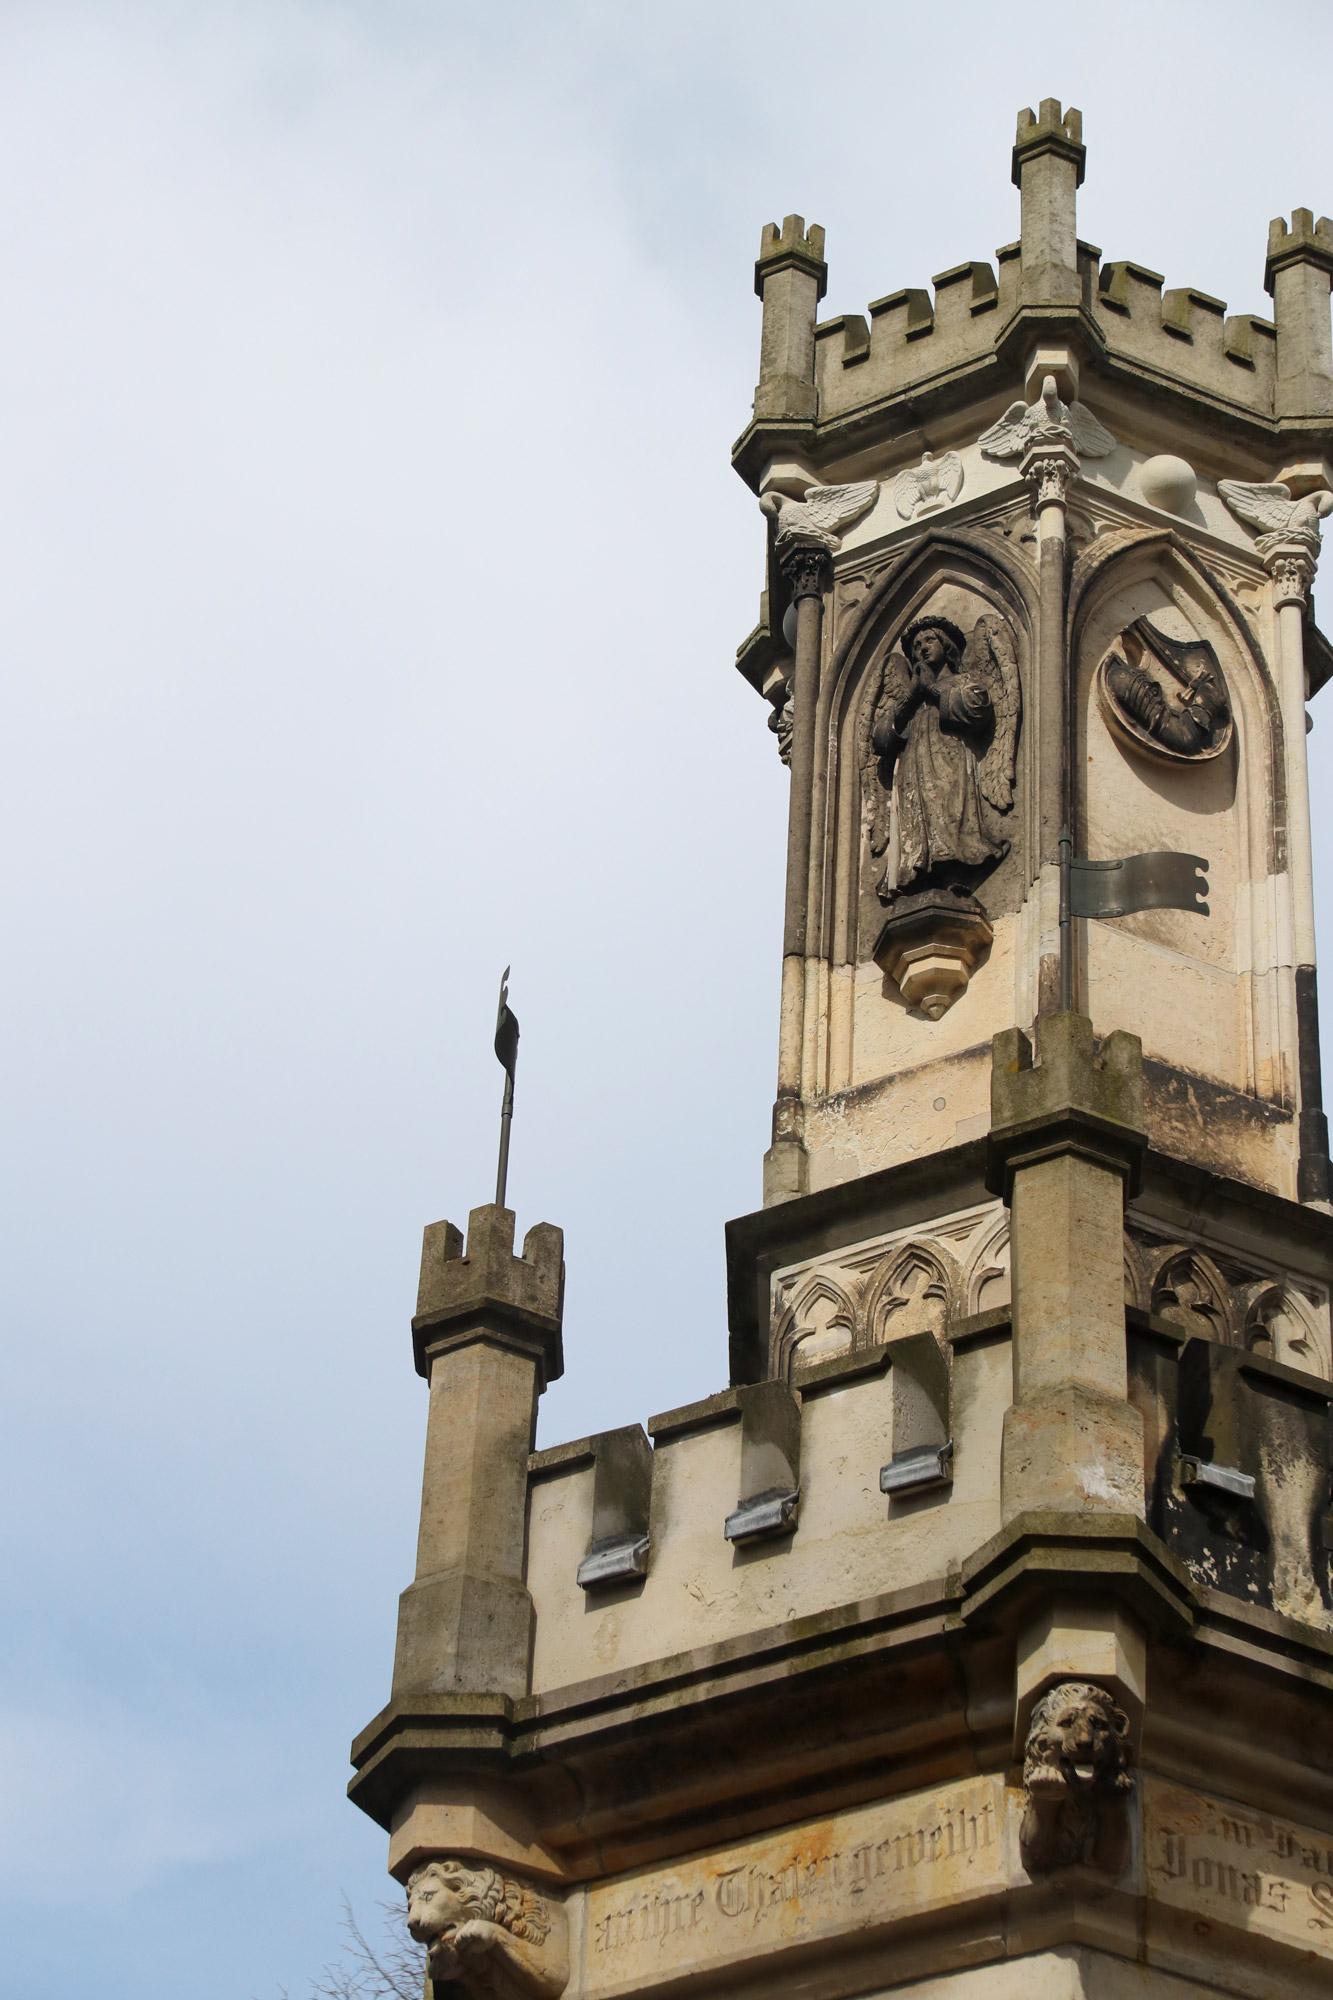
(1049, 132)
(1306, 242)
(791, 247)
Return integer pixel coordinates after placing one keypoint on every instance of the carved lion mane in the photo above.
(1075, 1773)
(485, 1893)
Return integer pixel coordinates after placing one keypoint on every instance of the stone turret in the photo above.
(791, 277)
(1296, 274)
(1049, 159)
(486, 1336)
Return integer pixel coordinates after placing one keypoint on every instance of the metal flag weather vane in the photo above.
(506, 1049)
(1157, 881)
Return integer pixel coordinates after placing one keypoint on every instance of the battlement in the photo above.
(1049, 132)
(890, 1461)
(791, 247)
(968, 336)
(1306, 242)
(486, 1289)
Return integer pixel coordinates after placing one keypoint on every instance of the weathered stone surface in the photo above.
(763, 1901)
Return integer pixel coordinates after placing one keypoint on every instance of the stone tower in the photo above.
(977, 1641)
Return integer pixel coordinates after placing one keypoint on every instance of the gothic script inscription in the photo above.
(861, 1870)
(1239, 1868)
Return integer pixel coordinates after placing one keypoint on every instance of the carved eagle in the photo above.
(816, 521)
(935, 479)
(1273, 510)
(1023, 423)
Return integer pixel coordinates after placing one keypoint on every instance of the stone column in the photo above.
(487, 1338)
(1291, 565)
(1048, 164)
(1066, 1141)
(791, 278)
(1050, 467)
(1296, 274)
(786, 1167)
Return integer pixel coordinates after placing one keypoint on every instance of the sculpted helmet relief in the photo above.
(943, 715)
(1166, 695)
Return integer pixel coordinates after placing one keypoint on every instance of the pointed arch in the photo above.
(820, 1317)
(917, 1288)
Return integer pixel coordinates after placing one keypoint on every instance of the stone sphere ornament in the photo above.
(1168, 483)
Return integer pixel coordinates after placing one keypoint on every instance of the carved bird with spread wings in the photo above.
(939, 732)
(1024, 423)
(1274, 511)
(816, 521)
(934, 483)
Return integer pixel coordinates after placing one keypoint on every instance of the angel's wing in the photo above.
(951, 474)
(990, 656)
(907, 492)
(1091, 439)
(886, 688)
(1008, 437)
(832, 507)
(1265, 507)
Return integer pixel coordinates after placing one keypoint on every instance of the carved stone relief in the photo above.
(1075, 1780)
(1166, 696)
(926, 488)
(921, 1280)
(487, 1932)
(1234, 1303)
(909, 1282)
(1024, 425)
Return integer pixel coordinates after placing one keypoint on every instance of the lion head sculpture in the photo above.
(486, 1932)
(1076, 1774)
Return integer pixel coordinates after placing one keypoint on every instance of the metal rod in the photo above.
(506, 1120)
(1066, 927)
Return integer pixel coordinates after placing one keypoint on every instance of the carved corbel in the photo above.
(1076, 1779)
(488, 1933)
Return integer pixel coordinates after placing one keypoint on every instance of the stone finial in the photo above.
(486, 1932)
(463, 1295)
(791, 278)
(1075, 1778)
(1297, 272)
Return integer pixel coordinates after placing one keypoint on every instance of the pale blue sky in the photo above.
(370, 576)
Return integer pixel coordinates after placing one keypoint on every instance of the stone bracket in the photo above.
(622, 1486)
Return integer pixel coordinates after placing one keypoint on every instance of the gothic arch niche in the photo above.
(818, 1322)
(988, 1279)
(1187, 984)
(1190, 1291)
(917, 1289)
(963, 576)
(1281, 1323)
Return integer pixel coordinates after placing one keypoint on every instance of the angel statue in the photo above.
(814, 523)
(1272, 509)
(941, 725)
(1023, 424)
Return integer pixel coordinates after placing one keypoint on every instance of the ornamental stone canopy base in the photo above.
(931, 945)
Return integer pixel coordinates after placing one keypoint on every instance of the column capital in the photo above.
(1050, 465)
(1290, 562)
(808, 570)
